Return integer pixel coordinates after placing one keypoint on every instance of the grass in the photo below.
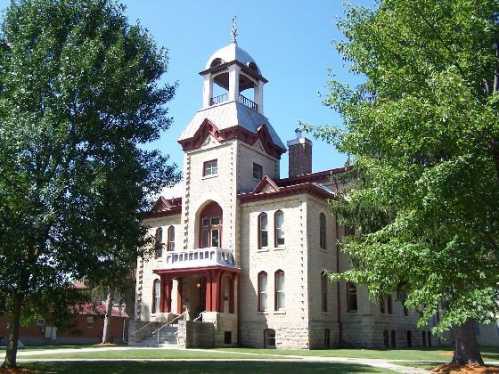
(144, 353)
(429, 354)
(54, 346)
(202, 368)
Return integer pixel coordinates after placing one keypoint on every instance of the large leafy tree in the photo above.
(80, 93)
(423, 131)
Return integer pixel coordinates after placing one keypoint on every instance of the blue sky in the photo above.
(291, 42)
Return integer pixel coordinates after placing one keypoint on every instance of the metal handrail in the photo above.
(166, 324)
(142, 328)
(247, 102)
(200, 315)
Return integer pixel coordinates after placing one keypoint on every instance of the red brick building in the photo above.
(86, 328)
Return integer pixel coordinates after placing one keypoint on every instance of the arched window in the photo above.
(280, 295)
(322, 234)
(351, 297)
(279, 228)
(156, 295)
(171, 239)
(324, 292)
(210, 226)
(158, 243)
(262, 291)
(263, 234)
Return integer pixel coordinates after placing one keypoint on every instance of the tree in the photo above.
(80, 96)
(422, 128)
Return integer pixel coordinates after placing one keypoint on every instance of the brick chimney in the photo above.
(300, 155)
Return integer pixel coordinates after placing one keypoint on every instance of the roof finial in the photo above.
(234, 32)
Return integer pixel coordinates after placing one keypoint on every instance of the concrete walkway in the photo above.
(26, 356)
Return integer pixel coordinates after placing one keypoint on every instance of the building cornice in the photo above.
(208, 128)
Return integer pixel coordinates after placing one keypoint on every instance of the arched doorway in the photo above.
(210, 226)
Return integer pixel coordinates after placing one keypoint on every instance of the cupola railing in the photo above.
(219, 99)
(242, 99)
(249, 103)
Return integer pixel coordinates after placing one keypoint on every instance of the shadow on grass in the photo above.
(199, 368)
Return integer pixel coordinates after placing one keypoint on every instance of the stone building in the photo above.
(240, 255)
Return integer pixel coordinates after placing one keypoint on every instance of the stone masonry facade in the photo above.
(240, 254)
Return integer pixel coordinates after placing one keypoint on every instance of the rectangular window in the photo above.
(263, 234)
(279, 228)
(351, 297)
(257, 171)
(210, 168)
(389, 303)
(215, 238)
(228, 337)
(262, 291)
(382, 305)
(280, 296)
(327, 338)
(324, 292)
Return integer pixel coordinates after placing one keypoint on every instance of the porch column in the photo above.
(167, 302)
(180, 305)
(209, 296)
(215, 289)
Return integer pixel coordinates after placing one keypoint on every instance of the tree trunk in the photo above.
(106, 330)
(466, 350)
(10, 360)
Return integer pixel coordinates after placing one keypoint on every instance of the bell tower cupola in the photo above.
(232, 75)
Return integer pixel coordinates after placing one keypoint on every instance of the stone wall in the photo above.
(291, 322)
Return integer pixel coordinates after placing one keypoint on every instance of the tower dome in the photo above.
(232, 53)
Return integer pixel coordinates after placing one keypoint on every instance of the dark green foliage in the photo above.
(80, 95)
(423, 131)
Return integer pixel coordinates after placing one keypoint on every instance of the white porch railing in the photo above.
(199, 258)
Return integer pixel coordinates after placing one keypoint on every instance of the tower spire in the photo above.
(234, 31)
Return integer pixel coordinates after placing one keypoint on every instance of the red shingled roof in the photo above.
(165, 207)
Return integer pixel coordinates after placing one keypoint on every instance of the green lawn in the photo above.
(202, 368)
(144, 353)
(432, 355)
(429, 354)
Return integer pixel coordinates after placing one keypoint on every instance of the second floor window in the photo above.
(262, 291)
(263, 234)
(351, 297)
(279, 228)
(257, 171)
(171, 239)
(210, 168)
(158, 243)
(322, 228)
